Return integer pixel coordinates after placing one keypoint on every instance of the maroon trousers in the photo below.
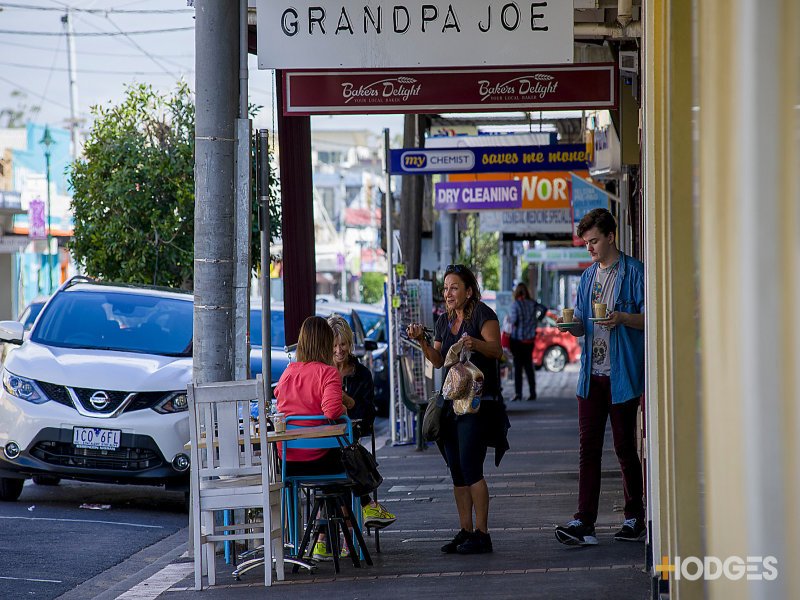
(593, 412)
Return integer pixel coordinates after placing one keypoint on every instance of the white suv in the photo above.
(97, 392)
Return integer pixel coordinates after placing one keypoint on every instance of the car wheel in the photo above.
(10, 489)
(46, 480)
(555, 359)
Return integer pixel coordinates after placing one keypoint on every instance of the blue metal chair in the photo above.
(293, 483)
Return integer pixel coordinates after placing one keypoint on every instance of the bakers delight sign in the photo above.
(582, 86)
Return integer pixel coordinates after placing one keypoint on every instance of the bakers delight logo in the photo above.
(538, 85)
(393, 89)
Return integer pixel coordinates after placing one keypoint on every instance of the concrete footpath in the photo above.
(533, 490)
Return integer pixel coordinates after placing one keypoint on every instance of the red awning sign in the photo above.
(368, 91)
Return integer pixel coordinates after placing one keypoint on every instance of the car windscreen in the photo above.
(373, 325)
(276, 331)
(29, 316)
(117, 321)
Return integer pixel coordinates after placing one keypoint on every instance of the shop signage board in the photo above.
(585, 197)
(556, 255)
(511, 159)
(540, 189)
(524, 222)
(555, 87)
(301, 34)
(478, 195)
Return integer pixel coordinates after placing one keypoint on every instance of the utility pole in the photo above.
(217, 95)
(73, 82)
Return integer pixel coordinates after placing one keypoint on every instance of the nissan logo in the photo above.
(99, 400)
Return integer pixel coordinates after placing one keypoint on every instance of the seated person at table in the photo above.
(357, 386)
(312, 386)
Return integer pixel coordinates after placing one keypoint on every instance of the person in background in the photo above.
(311, 386)
(358, 392)
(464, 439)
(525, 315)
(611, 381)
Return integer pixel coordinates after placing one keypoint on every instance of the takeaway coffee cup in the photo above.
(568, 315)
(600, 310)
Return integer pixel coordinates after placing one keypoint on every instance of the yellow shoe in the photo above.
(377, 516)
(321, 552)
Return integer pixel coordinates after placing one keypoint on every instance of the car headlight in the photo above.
(173, 403)
(23, 388)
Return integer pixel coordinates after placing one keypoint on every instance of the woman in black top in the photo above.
(464, 438)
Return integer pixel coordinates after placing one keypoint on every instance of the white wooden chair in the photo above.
(231, 469)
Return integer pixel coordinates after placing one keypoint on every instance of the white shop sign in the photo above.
(556, 220)
(410, 33)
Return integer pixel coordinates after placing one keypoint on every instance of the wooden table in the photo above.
(295, 433)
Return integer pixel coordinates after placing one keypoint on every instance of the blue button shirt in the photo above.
(626, 344)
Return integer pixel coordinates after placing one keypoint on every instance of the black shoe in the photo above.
(532, 398)
(478, 543)
(575, 533)
(633, 530)
(516, 398)
(461, 537)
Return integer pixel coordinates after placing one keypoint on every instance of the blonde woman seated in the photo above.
(311, 386)
(359, 395)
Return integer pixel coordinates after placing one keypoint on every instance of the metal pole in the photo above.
(216, 62)
(264, 228)
(73, 82)
(49, 226)
(387, 206)
(243, 212)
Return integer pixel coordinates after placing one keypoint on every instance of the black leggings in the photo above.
(463, 445)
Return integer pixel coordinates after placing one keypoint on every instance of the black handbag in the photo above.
(361, 467)
(431, 422)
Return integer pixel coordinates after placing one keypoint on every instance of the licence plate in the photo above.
(91, 437)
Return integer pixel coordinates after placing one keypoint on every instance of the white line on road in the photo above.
(159, 583)
(34, 580)
(85, 521)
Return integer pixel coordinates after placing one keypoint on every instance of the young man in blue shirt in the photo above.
(611, 379)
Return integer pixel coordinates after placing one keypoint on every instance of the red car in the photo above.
(553, 348)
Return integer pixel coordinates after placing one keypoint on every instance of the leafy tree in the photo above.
(480, 252)
(133, 191)
(372, 287)
(20, 114)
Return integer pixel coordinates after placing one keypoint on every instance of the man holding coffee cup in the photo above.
(609, 314)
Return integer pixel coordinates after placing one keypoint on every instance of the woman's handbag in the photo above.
(432, 420)
(361, 467)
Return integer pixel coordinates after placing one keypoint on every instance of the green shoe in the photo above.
(321, 552)
(377, 516)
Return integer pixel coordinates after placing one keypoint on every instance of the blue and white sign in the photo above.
(585, 197)
(493, 159)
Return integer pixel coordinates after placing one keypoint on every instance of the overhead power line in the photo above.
(132, 11)
(87, 53)
(95, 71)
(98, 33)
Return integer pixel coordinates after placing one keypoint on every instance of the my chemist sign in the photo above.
(431, 33)
(493, 159)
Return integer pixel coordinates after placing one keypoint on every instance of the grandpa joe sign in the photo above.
(318, 34)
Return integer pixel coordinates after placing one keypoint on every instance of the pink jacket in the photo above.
(311, 388)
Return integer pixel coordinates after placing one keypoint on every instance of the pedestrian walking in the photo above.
(464, 438)
(609, 314)
(525, 316)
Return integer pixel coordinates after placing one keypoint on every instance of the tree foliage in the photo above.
(480, 252)
(133, 191)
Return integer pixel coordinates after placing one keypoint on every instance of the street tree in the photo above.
(133, 191)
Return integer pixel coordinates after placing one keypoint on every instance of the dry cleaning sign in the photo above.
(375, 34)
